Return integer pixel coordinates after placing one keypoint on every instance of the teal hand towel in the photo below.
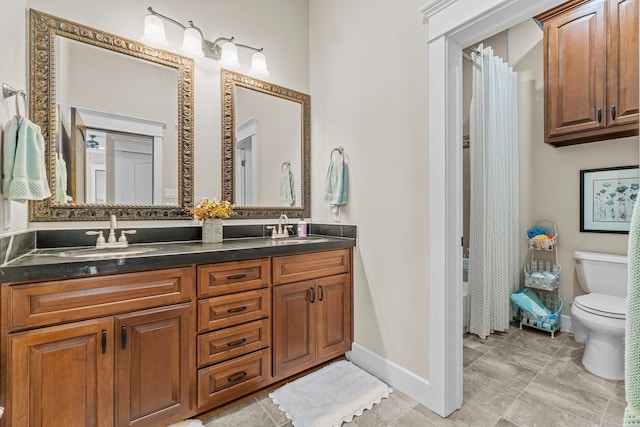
(632, 331)
(336, 189)
(25, 175)
(9, 143)
(287, 193)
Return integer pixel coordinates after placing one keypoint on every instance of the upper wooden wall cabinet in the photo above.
(591, 71)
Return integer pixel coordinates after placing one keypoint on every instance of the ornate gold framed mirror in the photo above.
(266, 148)
(117, 120)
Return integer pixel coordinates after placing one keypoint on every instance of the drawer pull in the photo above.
(104, 341)
(237, 309)
(124, 337)
(599, 115)
(320, 293)
(237, 377)
(613, 112)
(313, 294)
(236, 277)
(237, 342)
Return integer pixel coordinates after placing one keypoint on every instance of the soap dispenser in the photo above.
(302, 228)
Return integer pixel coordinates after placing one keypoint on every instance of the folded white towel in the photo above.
(61, 181)
(24, 174)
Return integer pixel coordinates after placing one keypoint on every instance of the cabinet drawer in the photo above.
(229, 277)
(296, 268)
(38, 304)
(225, 344)
(229, 310)
(229, 380)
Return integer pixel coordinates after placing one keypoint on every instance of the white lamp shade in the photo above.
(192, 43)
(259, 65)
(229, 56)
(154, 32)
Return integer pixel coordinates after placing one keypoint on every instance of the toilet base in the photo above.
(604, 355)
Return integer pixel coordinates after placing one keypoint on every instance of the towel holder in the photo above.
(287, 164)
(8, 91)
(339, 149)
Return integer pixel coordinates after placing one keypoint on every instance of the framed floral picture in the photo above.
(607, 198)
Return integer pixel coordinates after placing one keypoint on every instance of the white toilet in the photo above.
(598, 318)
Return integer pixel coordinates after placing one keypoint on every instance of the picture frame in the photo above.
(607, 198)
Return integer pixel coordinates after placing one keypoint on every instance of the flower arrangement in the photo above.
(215, 208)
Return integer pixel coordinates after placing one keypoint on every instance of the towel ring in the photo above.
(287, 164)
(8, 91)
(339, 149)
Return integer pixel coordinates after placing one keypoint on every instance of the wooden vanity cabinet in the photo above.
(591, 71)
(311, 317)
(124, 369)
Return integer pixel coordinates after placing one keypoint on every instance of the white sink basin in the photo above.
(105, 252)
(297, 240)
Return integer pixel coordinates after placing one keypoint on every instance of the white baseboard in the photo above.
(565, 325)
(394, 375)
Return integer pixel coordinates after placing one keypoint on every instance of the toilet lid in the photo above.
(603, 305)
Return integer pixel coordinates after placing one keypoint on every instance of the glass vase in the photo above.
(212, 230)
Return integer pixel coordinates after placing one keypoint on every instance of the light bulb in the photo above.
(229, 56)
(154, 32)
(259, 65)
(192, 43)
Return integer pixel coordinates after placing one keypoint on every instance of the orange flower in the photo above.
(215, 208)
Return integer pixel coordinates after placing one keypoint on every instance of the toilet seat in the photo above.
(602, 305)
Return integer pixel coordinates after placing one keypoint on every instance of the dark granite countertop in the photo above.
(55, 263)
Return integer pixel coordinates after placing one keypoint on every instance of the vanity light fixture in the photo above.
(194, 44)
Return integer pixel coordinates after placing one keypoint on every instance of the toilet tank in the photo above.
(602, 273)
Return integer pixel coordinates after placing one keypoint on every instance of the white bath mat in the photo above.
(330, 396)
(187, 423)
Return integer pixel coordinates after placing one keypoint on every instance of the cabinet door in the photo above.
(622, 62)
(575, 72)
(294, 329)
(154, 351)
(62, 375)
(333, 316)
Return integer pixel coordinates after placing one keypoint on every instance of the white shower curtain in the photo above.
(494, 266)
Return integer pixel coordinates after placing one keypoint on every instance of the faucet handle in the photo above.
(123, 237)
(100, 235)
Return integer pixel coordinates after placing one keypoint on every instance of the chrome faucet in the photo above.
(111, 241)
(282, 230)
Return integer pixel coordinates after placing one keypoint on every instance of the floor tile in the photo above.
(520, 356)
(392, 408)
(469, 356)
(505, 423)
(413, 418)
(614, 414)
(573, 401)
(619, 392)
(488, 392)
(248, 414)
(483, 346)
(278, 416)
(570, 372)
(535, 340)
(495, 366)
(530, 411)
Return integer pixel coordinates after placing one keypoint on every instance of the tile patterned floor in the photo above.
(518, 378)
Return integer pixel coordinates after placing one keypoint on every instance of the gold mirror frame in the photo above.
(42, 108)
(229, 81)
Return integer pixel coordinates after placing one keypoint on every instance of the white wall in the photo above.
(368, 89)
(280, 26)
(13, 69)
